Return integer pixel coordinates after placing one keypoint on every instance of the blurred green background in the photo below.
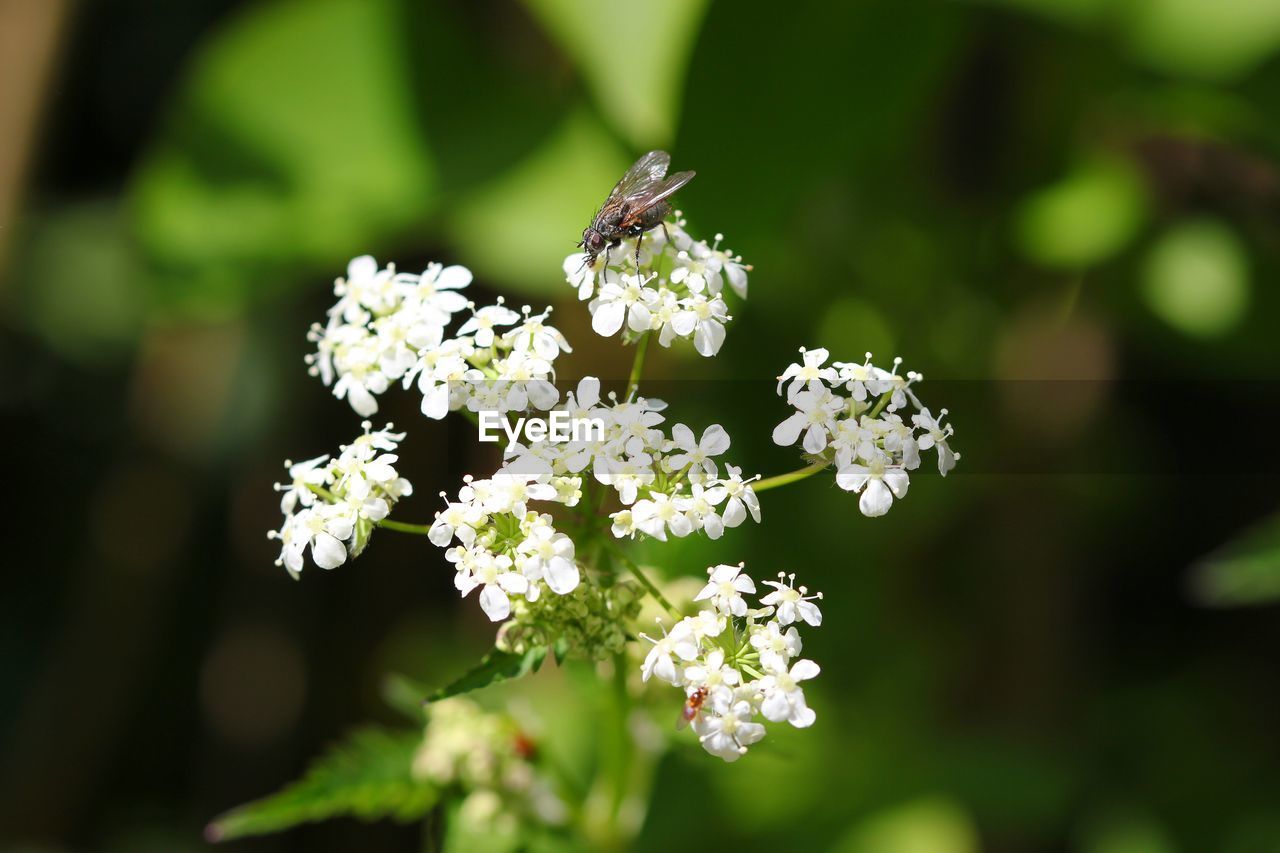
(1072, 205)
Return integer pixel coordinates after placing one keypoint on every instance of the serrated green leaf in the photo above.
(494, 667)
(368, 776)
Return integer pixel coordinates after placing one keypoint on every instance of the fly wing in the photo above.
(646, 197)
(646, 171)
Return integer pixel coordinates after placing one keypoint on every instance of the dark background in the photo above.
(1067, 645)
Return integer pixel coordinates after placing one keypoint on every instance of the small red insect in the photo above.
(692, 707)
(525, 747)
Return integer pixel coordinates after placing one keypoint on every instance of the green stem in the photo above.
(622, 698)
(389, 524)
(788, 478)
(404, 527)
(635, 569)
(637, 366)
(880, 404)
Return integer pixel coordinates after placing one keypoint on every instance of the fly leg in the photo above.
(639, 240)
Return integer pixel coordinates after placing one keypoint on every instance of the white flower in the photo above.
(534, 335)
(713, 673)
(549, 555)
(331, 505)
(324, 528)
(783, 697)
(725, 589)
(815, 414)
(792, 604)
(698, 453)
(741, 498)
(705, 319)
(482, 323)
(302, 476)
(872, 445)
(936, 435)
(706, 656)
(460, 518)
(438, 285)
(775, 646)
(495, 575)
(626, 476)
(579, 274)
(702, 509)
(879, 485)
(654, 516)
(726, 729)
(366, 288)
(626, 300)
(661, 658)
(810, 370)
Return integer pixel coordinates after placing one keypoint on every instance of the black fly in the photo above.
(638, 203)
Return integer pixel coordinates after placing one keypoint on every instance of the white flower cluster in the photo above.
(735, 663)
(666, 484)
(332, 505)
(863, 434)
(681, 296)
(504, 548)
(487, 758)
(389, 327)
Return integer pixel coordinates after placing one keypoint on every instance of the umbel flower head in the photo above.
(737, 664)
(677, 291)
(850, 415)
(332, 505)
(668, 484)
(389, 327)
(486, 758)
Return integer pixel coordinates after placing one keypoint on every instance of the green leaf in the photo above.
(634, 57)
(1243, 572)
(494, 667)
(561, 649)
(404, 694)
(519, 227)
(294, 144)
(368, 776)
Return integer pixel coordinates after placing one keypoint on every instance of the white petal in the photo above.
(775, 706)
(876, 499)
(852, 478)
(327, 551)
(362, 267)
(896, 479)
(562, 576)
(494, 603)
(452, 278)
(683, 437)
(803, 670)
(608, 318)
(786, 433)
(715, 440)
(709, 338)
(815, 438)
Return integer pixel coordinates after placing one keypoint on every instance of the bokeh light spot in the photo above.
(1196, 278)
